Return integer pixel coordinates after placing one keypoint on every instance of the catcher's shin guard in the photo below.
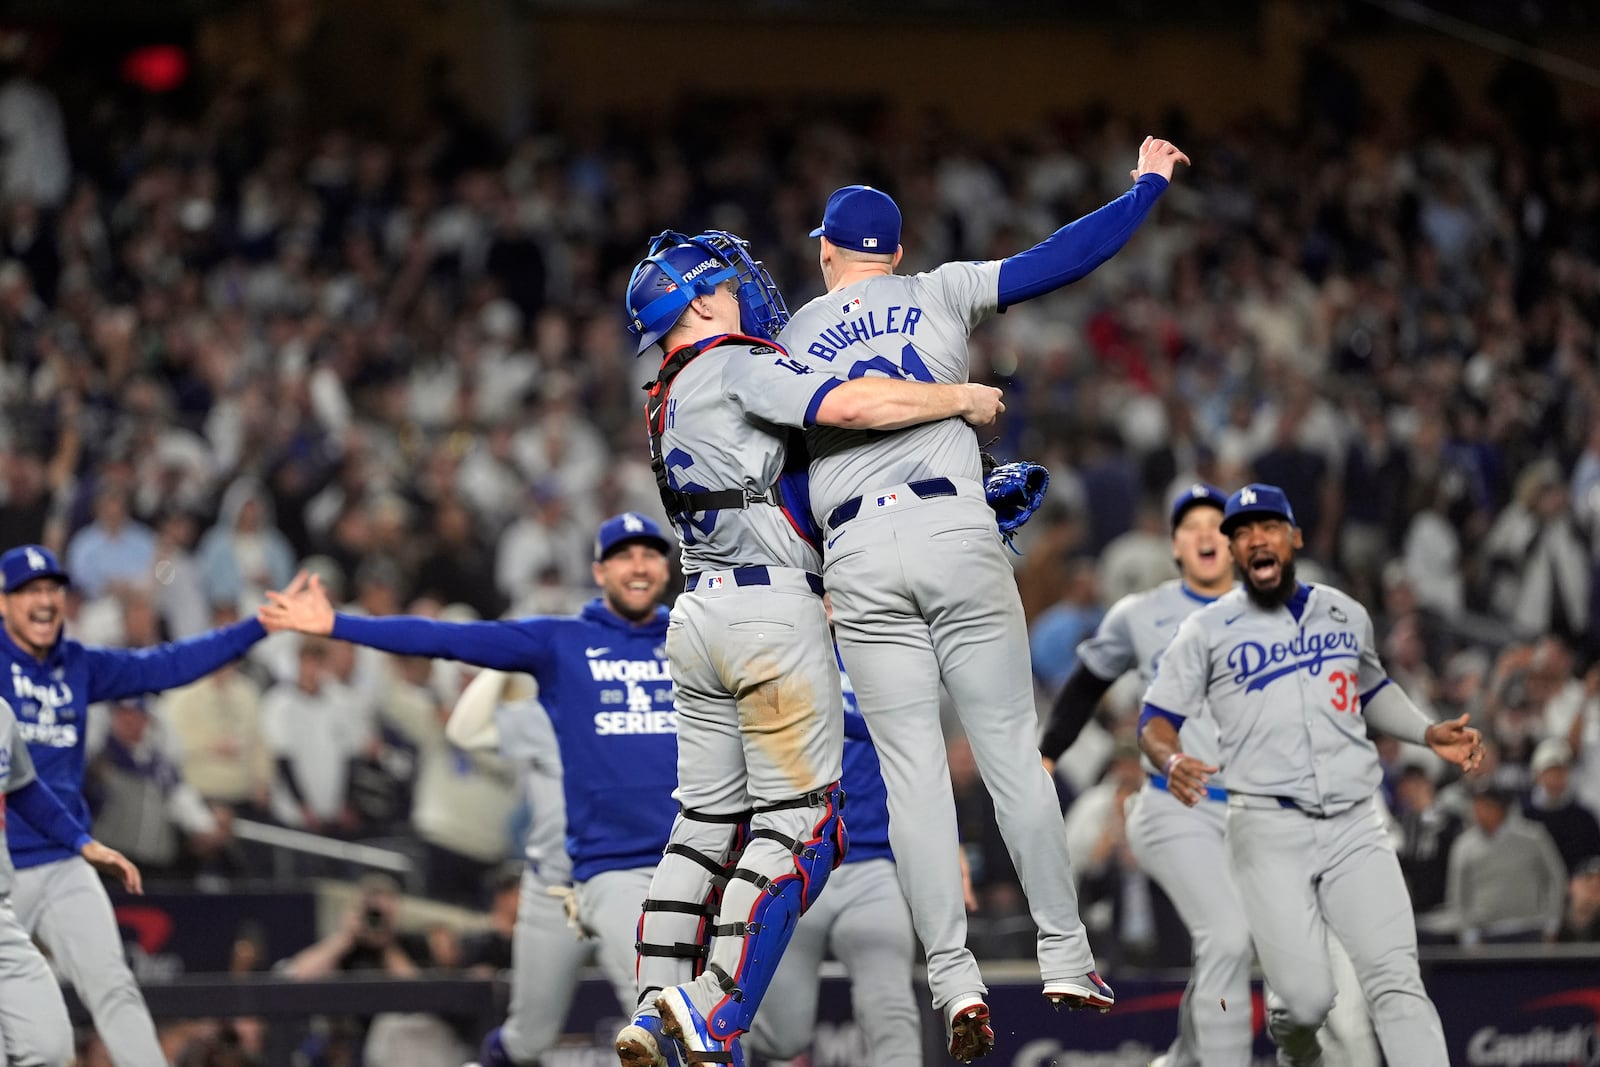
(675, 923)
(793, 848)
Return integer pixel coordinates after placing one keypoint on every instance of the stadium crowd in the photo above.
(229, 349)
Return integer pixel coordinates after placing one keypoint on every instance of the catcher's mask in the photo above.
(679, 268)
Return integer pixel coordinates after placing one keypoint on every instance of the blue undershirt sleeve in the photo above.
(1080, 246)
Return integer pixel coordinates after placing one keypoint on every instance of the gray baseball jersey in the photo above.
(1285, 691)
(914, 327)
(527, 736)
(16, 771)
(726, 427)
(1133, 636)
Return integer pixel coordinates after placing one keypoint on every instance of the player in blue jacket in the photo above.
(53, 680)
(604, 682)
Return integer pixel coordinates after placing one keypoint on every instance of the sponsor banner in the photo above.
(169, 934)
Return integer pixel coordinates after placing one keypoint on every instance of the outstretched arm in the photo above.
(119, 672)
(43, 810)
(505, 646)
(1081, 246)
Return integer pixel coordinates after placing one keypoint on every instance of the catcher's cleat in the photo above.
(968, 1028)
(682, 1022)
(1075, 993)
(642, 1044)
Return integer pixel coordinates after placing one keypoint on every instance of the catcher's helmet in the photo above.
(679, 268)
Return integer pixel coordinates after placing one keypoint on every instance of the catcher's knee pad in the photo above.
(786, 871)
(685, 892)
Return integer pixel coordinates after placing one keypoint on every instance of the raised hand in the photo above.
(303, 605)
(1158, 157)
(1457, 742)
(110, 861)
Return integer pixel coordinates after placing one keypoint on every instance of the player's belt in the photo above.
(927, 487)
(1256, 800)
(1213, 792)
(754, 576)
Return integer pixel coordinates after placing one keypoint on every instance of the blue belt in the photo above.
(1213, 792)
(928, 487)
(755, 576)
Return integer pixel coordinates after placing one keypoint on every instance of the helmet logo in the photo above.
(695, 272)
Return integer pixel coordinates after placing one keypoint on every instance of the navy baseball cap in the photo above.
(1256, 501)
(624, 529)
(861, 218)
(1197, 495)
(22, 565)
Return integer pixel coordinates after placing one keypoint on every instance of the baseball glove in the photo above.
(1015, 491)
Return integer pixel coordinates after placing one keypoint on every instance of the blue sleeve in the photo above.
(522, 645)
(43, 810)
(1150, 711)
(1078, 247)
(121, 672)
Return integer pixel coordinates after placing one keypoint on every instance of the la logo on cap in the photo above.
(36, 560)
(631, 523)
(1247, 497)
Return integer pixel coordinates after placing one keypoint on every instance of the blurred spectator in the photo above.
(113, 548)
(1056, 634)
(1137, 560)
(1506, 881)
(35, 167)
(463, 801)
(313, 735)
(1540, 562)
(140, 800)
(544, 539)
(1582, 919)
(369, 938)
(180, 589)
(244, 555)
(216, 724)
(457, 568)
(1427, 833)
(994, 879)
(1552, 804)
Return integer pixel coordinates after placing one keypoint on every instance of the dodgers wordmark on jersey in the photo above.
(898, 326)
(1134, 635)
(1285, 689)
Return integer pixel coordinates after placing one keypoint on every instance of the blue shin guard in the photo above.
(779, 876)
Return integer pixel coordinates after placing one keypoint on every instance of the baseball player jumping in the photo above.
(34, 1028)
(605, 686)
(57, 897)
(1183, 848)
(922, 588)
(1291, 676)
(760, 722)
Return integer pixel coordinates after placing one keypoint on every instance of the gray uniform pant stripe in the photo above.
(923, 593)
(1297, 877)
(34, 1028)
(64, 905)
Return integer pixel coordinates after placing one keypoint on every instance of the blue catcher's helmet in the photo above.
(679, 268)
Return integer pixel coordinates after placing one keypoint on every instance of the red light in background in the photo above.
(156, 68)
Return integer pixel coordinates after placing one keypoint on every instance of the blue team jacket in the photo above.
(606, 686)
(51, 698)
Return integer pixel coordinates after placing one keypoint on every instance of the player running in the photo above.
(57, 897)
(922, 589)
(759, 713)
(605, 686)
(1290, 674)
(34, 1028)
